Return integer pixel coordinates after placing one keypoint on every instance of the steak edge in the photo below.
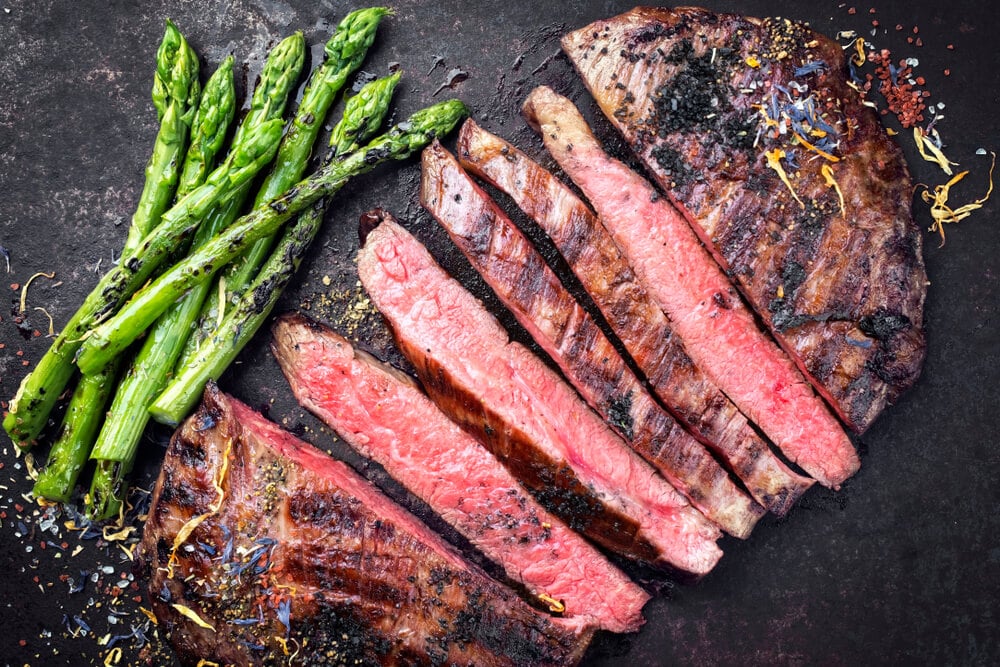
(269, 542)
(718, 331)
(634, 317)
(518, 274)
(383, 415)
(841, 290)
(525, 414)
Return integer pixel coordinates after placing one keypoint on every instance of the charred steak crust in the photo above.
(693, 92)
(291, 549)
(385, 416)
(633, 315)
(526, 415)
(518, 274)
(718, 330)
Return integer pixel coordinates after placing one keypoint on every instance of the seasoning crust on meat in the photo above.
(750, 126)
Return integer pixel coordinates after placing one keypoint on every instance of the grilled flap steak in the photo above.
(529, 288)
(718, 331)
(385, 416)
(633, 315)
(259, 545)
(716, 106)
(534, 423)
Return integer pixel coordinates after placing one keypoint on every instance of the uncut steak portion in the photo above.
(709, 101)
(256, 541)
(718, 331)
(523, 411)
(509, 263)
(382, 414)
(633, 315)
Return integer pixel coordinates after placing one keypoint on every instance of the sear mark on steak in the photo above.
(526, 415)
(286, 546)
(633, 315)
(382, 414)
(718, 331)
(530, 289)
(692, 92)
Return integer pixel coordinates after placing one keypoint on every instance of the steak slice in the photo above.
(640, 324)
(271, 543)
(705, 100)
(717, 329)
(525, 414)
(383, 414)
(529, 288)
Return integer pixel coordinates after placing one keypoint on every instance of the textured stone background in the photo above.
(901, 566)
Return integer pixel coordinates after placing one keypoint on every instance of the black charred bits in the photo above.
(620, 414)
(883, 324)
(674, 167)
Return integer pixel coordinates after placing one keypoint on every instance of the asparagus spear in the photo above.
(175, 96)
(71, 449)
(363, 115)
(345, 51)
(175, 83)
(118, 441)
(400, 142)
(69, 453)
(40, 389)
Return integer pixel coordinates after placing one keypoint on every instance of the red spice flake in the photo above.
(919, 42)
(19, 353)
(64, 545)
(36, 333)
(852, 11)
(3, 514)
(22, 642)
(915, 30)
(899, 27)
(19, 507)
(909, 40)
(871, 11)
(25, 363)
(950, 47)
(947, 72)
(15, 286)
(874, 23)
(35, 579)
(920, 81)
(41, 545)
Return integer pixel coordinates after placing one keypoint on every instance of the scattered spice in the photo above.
(930, 151)
(942, 213)
(555, 606)
(193, 615)
(902, 98)
(24, 290)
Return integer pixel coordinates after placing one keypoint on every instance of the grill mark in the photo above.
(642, 327)
(872, 175)
(579, 347)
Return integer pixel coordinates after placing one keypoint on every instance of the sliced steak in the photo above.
(707, 100)
(531, 420)
(640, 324)
(257, 542)
(383, 414)
(718, 331)
(509, 263)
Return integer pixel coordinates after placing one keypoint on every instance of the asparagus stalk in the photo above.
(40, 389)
(118, 332)
(215, 114)
(363, 115)
(175, 96)
(345, 51)
(118, 440)
(175, 91)
(69, 453)
(71, 449)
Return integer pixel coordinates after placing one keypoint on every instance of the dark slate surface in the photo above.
(901, 566)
